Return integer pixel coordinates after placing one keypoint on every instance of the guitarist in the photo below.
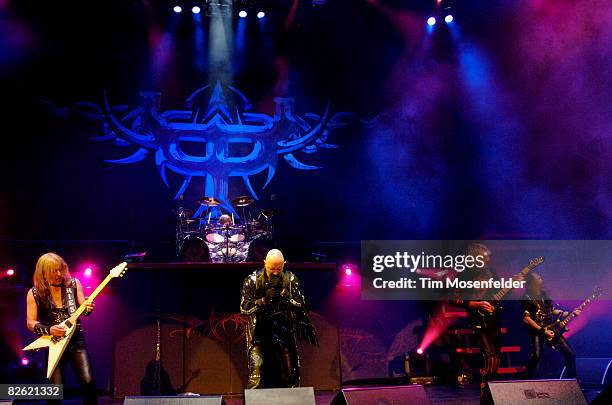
(54, 297)
(538, 311)
(487, 333)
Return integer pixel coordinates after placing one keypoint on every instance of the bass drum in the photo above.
(193, 249)
(228, 252)
(259, 248)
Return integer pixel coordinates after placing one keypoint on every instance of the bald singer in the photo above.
(274, 302)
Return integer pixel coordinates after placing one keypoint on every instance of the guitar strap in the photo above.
(69, 297)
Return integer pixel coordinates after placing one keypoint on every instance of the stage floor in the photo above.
(439, 395)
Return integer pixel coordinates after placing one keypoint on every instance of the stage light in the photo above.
(177, 9)
(347, 270)
(242, 14)
(431, 21)
(10, 272)
(448, 19)
(436, 326)
(25, 361)
(261, 15)
(350, 277)
(88, 272)
(416, 363)
(195, 10)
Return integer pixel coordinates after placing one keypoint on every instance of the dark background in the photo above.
(500, 129)
(497, 126)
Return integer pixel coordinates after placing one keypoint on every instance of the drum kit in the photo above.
(222, 239)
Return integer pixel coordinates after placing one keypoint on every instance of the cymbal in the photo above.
(183, 212)
(242, 201)
(269, 213)
(209, 201)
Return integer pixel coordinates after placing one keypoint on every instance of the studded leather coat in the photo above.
(279, 322)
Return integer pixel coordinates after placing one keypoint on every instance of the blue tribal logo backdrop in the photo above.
(217, 137)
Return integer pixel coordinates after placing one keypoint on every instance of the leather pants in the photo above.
(490, 347)
(537, 344)
(76, 355)
(273, 367)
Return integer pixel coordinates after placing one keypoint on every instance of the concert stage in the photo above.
(438, 395)
(423, 188)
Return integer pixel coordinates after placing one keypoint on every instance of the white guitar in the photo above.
(57, 344)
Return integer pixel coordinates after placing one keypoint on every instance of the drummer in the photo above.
(225, 221)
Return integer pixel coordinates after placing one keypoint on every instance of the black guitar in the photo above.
(559, 327)
(483, 319)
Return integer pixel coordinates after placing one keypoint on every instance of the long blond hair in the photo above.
(45, 267)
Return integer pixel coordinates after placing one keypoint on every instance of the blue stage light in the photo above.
(448, 19)
(195, 10)
(177, 9)
(242, 14)
(261, 14)
(431, 21)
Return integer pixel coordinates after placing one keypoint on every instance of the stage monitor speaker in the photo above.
(537, 392)
(280, 396)
(175, 400)
(409, 394)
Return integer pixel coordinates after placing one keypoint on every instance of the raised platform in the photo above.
(243, 265)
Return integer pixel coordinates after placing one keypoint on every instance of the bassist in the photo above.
(54, 297)
(538, 311)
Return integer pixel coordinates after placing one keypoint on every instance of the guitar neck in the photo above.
(92, 296)
(571, 316)
(502, 293)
